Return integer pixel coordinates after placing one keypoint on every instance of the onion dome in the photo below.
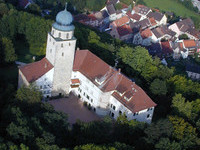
(64, 21)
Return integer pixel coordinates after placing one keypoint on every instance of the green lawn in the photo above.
(172, 6)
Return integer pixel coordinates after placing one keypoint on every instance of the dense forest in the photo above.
(27, 123)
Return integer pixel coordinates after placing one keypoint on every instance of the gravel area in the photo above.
(75, 109)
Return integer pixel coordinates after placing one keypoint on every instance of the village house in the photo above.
(160, 18)
(162, 32)
(63, 70)
(141, 10)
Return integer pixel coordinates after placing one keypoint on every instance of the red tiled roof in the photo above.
(92, 17)
(74, 81)
(189, 43)
(124, 30)
(112, 80)
(153, 21)
(146, 33)
(121, 21)
(166, 48)
(34, 71)
(135, 16)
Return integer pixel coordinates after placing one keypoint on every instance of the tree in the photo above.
(184, 132)
(181, 107)
(166, 144)
(9, 51)
(3, 9)
(158, 87)
(157, 130)
(29, 94)
(183, 37)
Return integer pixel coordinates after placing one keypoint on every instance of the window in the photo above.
(148, 109)
(94, 109)
(62, 45)
(84, 93)
(50, 39)
(91, 100)
(113, 107)
(69, 44)
(52, 32)
(50, 50)
(113, 114)
(88, 97)
(120, 112)
(148, 115)
(40, 86)
(62, 54)
(45, 86)
(53, 43)
(134, 114)
(59, 34)
(44, 92)
(67, 36)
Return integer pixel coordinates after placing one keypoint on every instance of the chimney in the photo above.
(119, 70)
(78, 49)
(45, 65)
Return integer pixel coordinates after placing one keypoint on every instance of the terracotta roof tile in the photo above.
(189, 43)
(124, 30)
(34, 71)
(134, 16)
(121, 21)
(166, 48)
(153, 21)
(146, 33)
(112, 80)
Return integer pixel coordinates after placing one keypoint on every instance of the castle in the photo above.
(65, 70)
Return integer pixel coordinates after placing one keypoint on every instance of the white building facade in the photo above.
(106, 90)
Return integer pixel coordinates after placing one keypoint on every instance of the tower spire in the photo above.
(66, 6)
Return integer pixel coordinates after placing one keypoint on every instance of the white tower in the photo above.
(60, 52)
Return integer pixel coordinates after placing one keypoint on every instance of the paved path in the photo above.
(75, 109)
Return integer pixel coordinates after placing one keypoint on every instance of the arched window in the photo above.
(59, 34)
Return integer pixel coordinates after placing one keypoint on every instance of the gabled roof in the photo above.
(111, 2)
(124, 30)
(34, 71)
(146, 33)
(145, 23)
(185, 24)
(121, 21)
(189, 43)
(111, 9)
(156, 15)
(193, 32)
(166, 47)
(153, 22)
(134, 16)
(112, 80)
(141, 9)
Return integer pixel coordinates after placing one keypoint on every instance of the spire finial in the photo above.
(66, 6)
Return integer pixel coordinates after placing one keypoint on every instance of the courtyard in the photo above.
(75, 109)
